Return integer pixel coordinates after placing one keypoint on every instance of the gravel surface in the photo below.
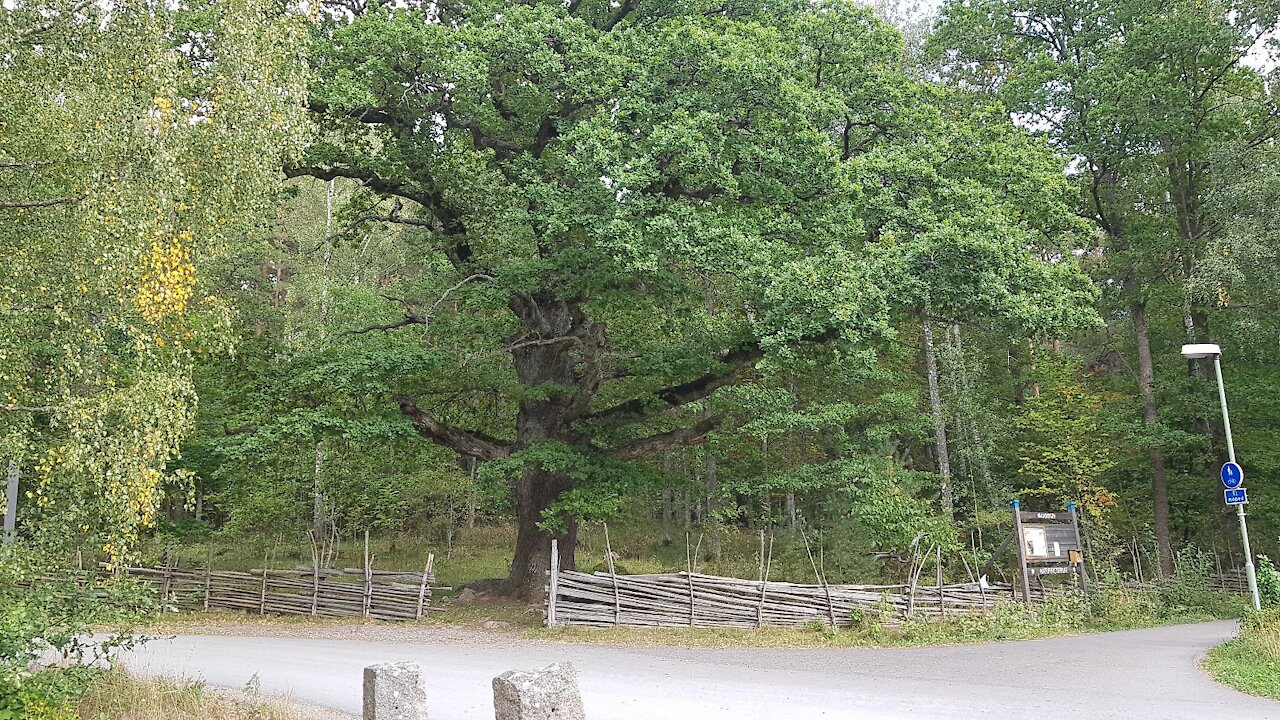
(1148, 674)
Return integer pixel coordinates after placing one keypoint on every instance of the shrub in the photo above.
(1268, 582)
(39, 615)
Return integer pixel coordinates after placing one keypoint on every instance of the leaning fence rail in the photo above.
(695, 600)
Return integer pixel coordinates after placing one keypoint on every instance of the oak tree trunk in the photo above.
(555, 352)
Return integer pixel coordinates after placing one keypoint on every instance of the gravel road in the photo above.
(1147, 674)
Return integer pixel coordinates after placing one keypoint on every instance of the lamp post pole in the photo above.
(1249, 571)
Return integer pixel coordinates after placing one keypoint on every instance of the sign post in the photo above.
(1078, 558)
(1232, 474)
(1022, 551)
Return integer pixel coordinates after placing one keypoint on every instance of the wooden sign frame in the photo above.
(1046, 564)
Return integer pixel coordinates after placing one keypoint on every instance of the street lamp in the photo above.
(1195, 352)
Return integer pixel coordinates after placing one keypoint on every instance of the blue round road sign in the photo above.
(1232, 475)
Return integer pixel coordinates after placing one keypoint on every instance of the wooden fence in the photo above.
(694, 600)
(1233, 581)
(348, 592)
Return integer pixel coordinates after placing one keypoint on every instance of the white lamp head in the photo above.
(1193, 352)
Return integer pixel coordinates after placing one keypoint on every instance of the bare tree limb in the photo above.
(48, 202)
(10, 165)
(29, 408)
(693, 435)
(413, 318)
(369, 178)
(469, 443)
(416, 222)
(460, 283)
(52, 22)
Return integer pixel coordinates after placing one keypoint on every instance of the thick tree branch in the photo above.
(642, 447)
(730, 362)
(684, 393)
(427, 195)
(470, 443)
(410, 318)
(370, 179)
(367, 115)
(620, 15)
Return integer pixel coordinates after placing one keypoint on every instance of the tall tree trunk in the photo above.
(1015, 374)
(317, 496)
(939, 421)
(1159, 480)
(556, 351)
(713, 478)
(471, 496)
(668, 504)
(1031, 361)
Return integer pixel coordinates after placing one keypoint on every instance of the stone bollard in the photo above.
(394, 691)
(549, 693)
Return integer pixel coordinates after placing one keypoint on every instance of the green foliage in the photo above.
(47, 611)
(1251, 662)
(125, 161)
(1268, 582)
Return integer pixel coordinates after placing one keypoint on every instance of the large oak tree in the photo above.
(644, 201)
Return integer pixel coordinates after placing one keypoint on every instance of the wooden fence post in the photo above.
(942, 605)
(368, 577)
(1021, 544)
(426, 578)
(608, 554)
(688, 561)
(315, 574)
(822, 580)
(168, 582)
(1075, 525)
(917, 566)
(553, 584)
(262, 598)
(764, 584)
(208, 570)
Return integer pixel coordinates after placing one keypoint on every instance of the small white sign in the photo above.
(1034, 542)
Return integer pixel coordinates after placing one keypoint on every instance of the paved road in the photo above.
(1146, 674)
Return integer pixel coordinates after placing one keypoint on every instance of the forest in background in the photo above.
(708, 266)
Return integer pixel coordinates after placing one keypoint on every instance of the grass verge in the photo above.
(1251, 662)
(117, 696)
(1006, 621)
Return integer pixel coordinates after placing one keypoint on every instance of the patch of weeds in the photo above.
(1251, 662)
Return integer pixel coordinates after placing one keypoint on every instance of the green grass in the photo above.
(1251, 662)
